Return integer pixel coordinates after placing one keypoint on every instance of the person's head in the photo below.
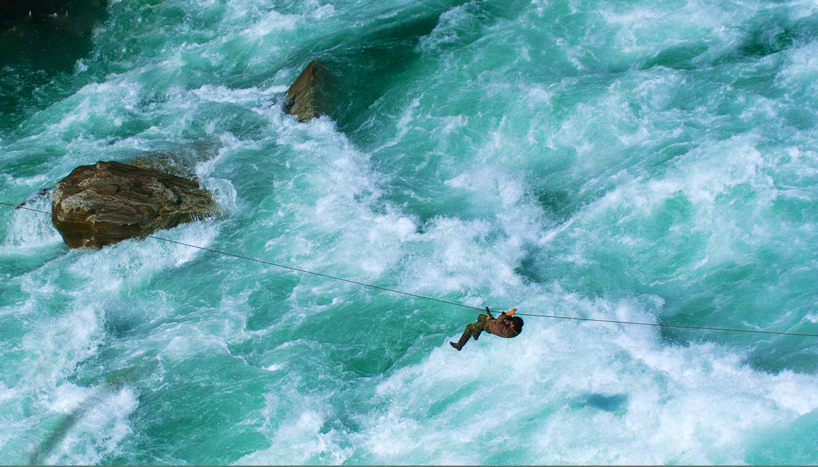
(517, 322)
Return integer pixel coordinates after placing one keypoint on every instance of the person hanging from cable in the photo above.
(505, 325)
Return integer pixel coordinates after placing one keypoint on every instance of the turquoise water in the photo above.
(651, 161)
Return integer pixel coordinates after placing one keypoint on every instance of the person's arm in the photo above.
(506, 315)
(504, 323)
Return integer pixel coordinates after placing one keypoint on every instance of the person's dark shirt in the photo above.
(502, 326)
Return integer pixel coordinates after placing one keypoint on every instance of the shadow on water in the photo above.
(40, 50)
(57, 434)
(613, 403)
(362, 71)
(777, 355)
(770, 34)
(361, 66)
(777, 33)
(64, 425)
(765, 35)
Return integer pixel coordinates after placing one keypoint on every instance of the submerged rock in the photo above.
(105, 203)
(180, 161)
(304, 98)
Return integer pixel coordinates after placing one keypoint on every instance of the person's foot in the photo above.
(455, 346)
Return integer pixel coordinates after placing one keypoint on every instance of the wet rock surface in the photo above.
(304, 97)
(105, 203)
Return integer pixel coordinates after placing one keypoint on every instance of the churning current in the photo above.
(644, 161)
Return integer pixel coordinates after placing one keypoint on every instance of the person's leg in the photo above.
(472, 330)
(480, 326)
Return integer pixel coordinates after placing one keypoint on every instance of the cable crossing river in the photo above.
(409, 294)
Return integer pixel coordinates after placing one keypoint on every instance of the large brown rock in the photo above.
(102, 204)
(305, 97)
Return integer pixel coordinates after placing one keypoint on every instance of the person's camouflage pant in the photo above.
(472, 330)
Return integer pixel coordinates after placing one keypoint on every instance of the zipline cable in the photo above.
(386, 289)
(281, 265)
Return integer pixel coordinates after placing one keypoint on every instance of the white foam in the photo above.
(305, 445)
(29, 229)
(248, 97)
(559, 393)
(446, 31)
(102, 423)
(55, 348)
(641, 29)
(109, 99)
(699, 404)
(801, 68)
(56, 342)
(138, 259)
(333, 207)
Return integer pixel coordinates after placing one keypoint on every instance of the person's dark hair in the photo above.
(518, 323)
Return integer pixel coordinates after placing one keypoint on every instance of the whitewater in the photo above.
(652, 161)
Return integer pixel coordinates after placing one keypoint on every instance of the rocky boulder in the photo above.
(105, 203)
(304, 98)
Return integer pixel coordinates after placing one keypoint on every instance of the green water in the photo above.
(632, 161)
